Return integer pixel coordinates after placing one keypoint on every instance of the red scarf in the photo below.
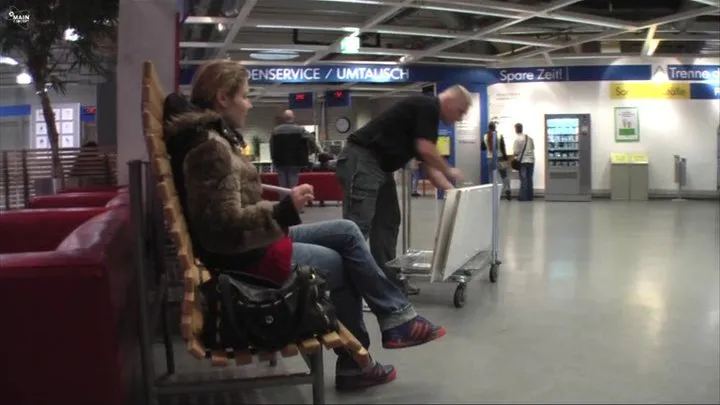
(276, 264)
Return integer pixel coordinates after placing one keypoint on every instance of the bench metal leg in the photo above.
(317, 368)
(167, 338)
(157, 234)
(138, 222)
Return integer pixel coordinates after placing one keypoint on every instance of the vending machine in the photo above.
(568, 173)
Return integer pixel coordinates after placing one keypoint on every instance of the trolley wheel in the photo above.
(494, 273)
(460, 296)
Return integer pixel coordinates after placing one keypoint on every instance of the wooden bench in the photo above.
(194, 273)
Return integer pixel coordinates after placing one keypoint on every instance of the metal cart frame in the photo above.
(418, 263)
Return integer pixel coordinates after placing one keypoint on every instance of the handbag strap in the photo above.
(226, 298)
(522, 152)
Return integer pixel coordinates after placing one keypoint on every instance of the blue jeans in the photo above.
(526, 181)
(338, 249)
(492, 166)
(288, 176)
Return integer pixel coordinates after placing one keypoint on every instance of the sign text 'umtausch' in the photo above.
(330, 74)
(533, 75)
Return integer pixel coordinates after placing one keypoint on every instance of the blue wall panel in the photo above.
(21, 110)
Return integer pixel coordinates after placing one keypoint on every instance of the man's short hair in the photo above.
(518, 128)
(288, 116)
(491, 126)
(460, 92)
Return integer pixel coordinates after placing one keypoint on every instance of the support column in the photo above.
(106, 113)
(147, 31)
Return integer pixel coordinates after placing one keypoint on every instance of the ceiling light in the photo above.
(350, 44)
(355, 1)
(6, 60)
(23, 78)
(71, 35)
(274, 55)
(221, 27)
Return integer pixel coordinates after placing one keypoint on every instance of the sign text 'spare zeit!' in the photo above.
(533, 75)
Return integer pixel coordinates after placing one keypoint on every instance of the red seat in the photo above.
(326, 184)
(40, 230)
(272, 180)
(90, 189)
(70, 200)
(69, 332)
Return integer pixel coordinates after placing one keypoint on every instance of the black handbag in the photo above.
(243, 312)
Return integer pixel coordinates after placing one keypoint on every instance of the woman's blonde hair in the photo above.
(214, 77)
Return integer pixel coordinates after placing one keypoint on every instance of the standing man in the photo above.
(524, 149)
(365, 167)
(290, 147)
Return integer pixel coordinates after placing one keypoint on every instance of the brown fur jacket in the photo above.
(220, 191)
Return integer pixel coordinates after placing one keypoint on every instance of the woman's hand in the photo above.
(301, 195)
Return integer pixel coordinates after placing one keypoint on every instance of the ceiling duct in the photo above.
(610, 47)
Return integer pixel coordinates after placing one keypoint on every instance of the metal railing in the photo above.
(23, 171)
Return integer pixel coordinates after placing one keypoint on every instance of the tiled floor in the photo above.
(606, 302)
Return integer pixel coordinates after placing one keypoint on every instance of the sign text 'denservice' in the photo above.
(330, 74)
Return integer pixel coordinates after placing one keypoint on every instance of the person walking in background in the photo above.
(500, 164)
(524, 147)
(290, 147)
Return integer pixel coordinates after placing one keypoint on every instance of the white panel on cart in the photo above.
(472, 233)
(443, 234)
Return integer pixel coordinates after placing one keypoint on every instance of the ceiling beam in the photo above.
(321, 48)
(391, 30)
(670, 37)
(235, 27)
(711, 3)
(508, 10)
(614, 33)
(651, 43)
(505, 36)
(372, 22)
(409, 87)
(490, 30)
(253, 47)
(556, 57)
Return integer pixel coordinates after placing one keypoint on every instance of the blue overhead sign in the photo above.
(694, 73)
(334, 74)
(574, 74)
(704, 91)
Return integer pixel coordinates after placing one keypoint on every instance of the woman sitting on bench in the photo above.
(233, 228)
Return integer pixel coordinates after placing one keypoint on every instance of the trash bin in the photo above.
(619, 177)
(639, 176)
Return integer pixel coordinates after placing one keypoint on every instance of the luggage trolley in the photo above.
(446, 263)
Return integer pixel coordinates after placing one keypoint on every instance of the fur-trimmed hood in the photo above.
(184, 122)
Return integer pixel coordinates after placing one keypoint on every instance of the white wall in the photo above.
(667, 127)
(83, 94)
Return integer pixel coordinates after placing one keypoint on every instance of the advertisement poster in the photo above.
(627, 124)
